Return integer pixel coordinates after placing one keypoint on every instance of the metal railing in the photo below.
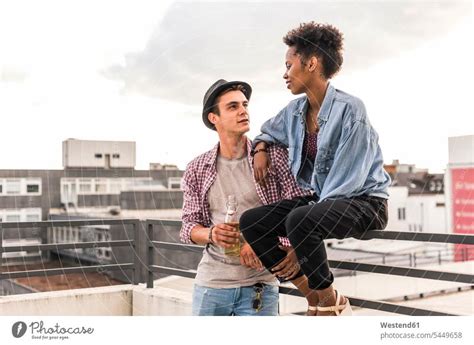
(43, 225)
(416, 258)
(152, 269)
(346, 265)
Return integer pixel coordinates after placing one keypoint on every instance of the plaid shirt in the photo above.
(201, 173)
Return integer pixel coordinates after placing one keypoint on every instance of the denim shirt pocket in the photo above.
(324, 160)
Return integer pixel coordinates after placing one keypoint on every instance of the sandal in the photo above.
(312, 311)
(340, 310)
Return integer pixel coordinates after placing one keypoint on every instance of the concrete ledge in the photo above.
(161, 301)
(102, 301)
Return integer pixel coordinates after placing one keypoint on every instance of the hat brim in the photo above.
(212, 99)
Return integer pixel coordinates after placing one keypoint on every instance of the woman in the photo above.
(334, 150)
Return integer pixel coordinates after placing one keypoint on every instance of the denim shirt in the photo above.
(349, 160)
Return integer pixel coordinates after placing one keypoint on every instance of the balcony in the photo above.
(374, 289)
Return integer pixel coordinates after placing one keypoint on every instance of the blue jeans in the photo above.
(235, 301)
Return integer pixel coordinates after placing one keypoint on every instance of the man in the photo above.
(234, 285)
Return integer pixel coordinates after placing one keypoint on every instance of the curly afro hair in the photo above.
(322, 40)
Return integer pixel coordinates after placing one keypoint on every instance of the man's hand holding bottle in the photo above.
(225, 235)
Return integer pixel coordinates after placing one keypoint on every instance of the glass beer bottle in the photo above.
(231, 219)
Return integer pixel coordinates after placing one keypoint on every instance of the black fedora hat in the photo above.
(213, 92)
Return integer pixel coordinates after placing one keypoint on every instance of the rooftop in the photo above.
(373, 289)
(59, 282)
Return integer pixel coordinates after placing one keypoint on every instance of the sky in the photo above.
(137, 71)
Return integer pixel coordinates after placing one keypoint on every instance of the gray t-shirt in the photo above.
(217, 270)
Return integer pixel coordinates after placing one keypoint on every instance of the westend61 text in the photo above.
(38, 328)
(400, 325)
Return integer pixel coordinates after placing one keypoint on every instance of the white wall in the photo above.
(398, 199)
(461, 150)
(424, 214)
(81, 153)
(421, 211)
(161, 301)
(101, 301)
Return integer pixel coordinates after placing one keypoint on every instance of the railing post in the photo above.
(136, 263)
(149, 283)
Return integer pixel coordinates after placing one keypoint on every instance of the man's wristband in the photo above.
(210, 234)
(254, 152)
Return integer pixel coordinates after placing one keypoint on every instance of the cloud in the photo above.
(197, 43)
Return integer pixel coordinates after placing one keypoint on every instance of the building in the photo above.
(159, 166)
(98, 154)
(26, 196)
(416, 204)
(460, 191)
(96, 174)
(417, 200)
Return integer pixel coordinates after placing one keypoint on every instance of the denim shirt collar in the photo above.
(325, 107)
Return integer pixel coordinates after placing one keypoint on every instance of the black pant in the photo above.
(307, 224)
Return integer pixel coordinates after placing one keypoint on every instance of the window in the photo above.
(13, 187)
(98, 155)
(72, 235)
(100, 186)
(174, 183)
(432, 186)
(401, 213)
(175, 186)
(13, 218)
(32, 218)
(116, 155)
(85, 185)
(20, 186)
(32, 188)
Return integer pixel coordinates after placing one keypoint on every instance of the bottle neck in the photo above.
(230, 217)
